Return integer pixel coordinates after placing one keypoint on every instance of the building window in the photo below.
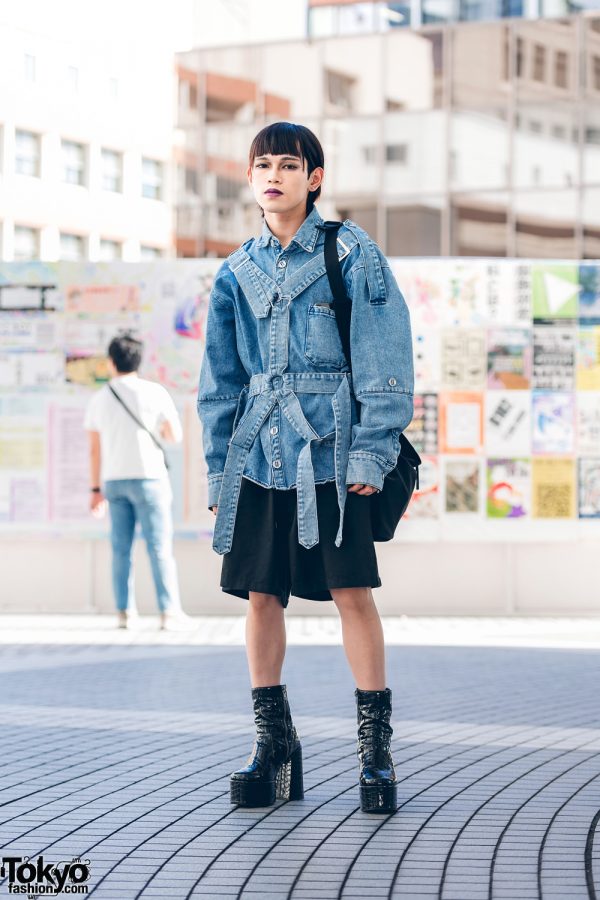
(71, 247)
(73, 161)
(561, 74)
(535, 126)
(73, 79)
(151, 179)
(339, 89)
(27, 153)
(147, 252)
(27, 243)
(112, 171)
(559, 132)
(370, 154)
(396, 153)
(539, 63)
(110, 250)
(29, 67)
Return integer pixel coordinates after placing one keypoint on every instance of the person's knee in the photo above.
(355, 601)
(261, 602)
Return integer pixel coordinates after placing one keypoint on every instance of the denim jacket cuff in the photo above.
(366, 469)
(214, 489)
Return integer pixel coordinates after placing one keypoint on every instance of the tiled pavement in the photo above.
(116, 748)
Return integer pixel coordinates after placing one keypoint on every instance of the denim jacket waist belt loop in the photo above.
(270, 389)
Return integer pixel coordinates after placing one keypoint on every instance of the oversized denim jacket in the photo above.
(277, 402)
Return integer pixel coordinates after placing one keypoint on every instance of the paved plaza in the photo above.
(117, 747)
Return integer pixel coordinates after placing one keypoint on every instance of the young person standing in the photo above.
(295, 444)
(127, 468)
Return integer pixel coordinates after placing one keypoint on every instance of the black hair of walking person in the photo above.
(295, 443)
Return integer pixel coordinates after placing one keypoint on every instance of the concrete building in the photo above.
(86, 126)
(478, 139)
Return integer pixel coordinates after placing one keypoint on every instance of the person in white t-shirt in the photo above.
(127, 468)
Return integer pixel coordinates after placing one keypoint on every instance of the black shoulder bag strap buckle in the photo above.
(140, 424)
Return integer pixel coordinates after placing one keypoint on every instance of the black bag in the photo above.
(388, 505)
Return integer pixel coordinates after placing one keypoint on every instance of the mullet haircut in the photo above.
(287, 139)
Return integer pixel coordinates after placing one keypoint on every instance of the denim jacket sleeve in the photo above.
(222, 378)
(382, 364)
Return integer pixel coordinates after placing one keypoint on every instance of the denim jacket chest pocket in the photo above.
(322, 344)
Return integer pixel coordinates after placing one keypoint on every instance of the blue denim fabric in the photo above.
(276, 400)
(147, 501)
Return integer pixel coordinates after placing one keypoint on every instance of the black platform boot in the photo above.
(378, 789)
(274, 768)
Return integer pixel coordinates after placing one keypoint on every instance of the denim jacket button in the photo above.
(282, 263)
(392, 381)
(274, 429)
(277, 464)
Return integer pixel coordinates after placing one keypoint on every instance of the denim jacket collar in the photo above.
(306, 236)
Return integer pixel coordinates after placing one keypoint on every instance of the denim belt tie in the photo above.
(269, 390)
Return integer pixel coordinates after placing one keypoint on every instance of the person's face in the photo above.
(281, 183)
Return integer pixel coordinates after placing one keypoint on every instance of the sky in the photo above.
(180, 24)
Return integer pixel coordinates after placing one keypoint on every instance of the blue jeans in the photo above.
(147, 501)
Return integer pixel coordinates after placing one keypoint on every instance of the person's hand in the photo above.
(213, 510)
(96, 500)
(365, 490)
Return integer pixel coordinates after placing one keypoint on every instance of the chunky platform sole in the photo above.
(379, 798)
(287, 785)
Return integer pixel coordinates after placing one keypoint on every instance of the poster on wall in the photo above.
(462, 485)
(555, 291)
(23, 460)
(509, 359)
(463, 359)
(589, 296)
(425, 503)
(588, 358)
(508, 423)
(588, 424)
(589, 488)
(553, 488)
(508, 488)
(423, 430)
(461, 422)
(554, 357)
(553, 423)
(427, 359)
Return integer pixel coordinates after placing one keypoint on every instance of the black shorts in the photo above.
(266, 556)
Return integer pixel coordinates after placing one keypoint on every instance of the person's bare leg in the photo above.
(265, 639)
(363, 636)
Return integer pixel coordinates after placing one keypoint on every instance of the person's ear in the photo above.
(316, 178)
(249, 175)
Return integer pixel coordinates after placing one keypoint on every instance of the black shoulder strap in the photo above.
(140, 424)
(342, 305)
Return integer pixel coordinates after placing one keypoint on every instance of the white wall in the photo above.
(418, 579)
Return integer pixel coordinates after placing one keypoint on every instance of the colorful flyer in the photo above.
(555, 291)
(102, 299)
(588, 358)
(509, 358)
(423, 430)
(589, 488)
(508, 488)
(589, 296)
(423, 285)
(425, 503)
(553, 417)
(553, 488)
(461, 422)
